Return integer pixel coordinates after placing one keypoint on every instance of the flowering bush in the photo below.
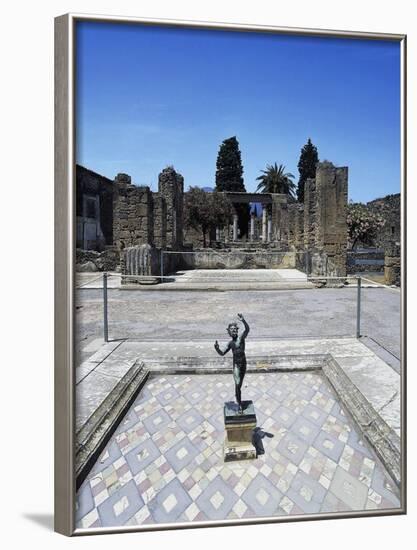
(363, 224)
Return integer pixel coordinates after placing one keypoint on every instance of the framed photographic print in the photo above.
(230, 274)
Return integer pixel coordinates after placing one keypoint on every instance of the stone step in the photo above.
(94, 434)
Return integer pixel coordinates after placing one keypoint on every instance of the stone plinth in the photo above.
(239, 431)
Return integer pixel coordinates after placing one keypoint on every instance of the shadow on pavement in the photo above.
(258, 435)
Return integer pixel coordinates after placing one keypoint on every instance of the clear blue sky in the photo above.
(148, 97)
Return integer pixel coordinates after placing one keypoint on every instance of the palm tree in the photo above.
(275, 180)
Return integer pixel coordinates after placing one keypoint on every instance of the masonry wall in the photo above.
(133, 220)
(160, 220)
(94, 209)
(392, 269)
(310, 206)
(317, 229)
(365, 260)
(223, 259)
(171, 188)
(331, 203)
(319, 225)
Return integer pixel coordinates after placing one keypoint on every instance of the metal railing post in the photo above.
(358, 308)
(162, 266)
(105, 319)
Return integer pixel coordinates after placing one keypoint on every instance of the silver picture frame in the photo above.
(65, 130)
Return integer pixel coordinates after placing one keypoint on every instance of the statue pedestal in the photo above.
(239, 431)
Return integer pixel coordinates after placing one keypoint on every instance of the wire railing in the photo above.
(352, 306)
(105, 276)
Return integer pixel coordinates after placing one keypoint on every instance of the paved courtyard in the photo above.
(165, 464)
(190, 315)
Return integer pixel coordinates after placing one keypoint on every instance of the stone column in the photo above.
(279, 216)
(269, 229)
(330, 227)
(264, 224)
(235, 220)
(252, 227)
(171, 188)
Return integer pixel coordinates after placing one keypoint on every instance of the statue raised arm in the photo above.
(237, 345)
(245, 324)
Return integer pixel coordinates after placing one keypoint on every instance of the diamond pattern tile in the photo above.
(217, 499)
(165, 463)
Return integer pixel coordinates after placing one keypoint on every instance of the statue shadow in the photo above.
(257, 437)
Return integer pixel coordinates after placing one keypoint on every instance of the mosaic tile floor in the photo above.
(165, 461)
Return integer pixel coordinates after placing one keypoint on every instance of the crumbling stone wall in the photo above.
(91, 260)
(133, 220)
(331, 204)
(210, 258)
(171, 188)
(309, 213)
(315, 230)
(392, 270)
(160, 220)
(147, 223)
(94, 209)
(318, 227)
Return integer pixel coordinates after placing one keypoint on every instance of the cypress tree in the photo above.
(229, 177)
(229, 169)
(306, 167)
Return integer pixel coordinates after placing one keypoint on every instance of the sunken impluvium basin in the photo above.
(154, 453)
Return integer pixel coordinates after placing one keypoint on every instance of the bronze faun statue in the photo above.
(237, 345)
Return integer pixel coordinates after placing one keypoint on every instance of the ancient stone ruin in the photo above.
(311, 236)
(318, 227)
(94, 210)
(145, 223)
(392, 269)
